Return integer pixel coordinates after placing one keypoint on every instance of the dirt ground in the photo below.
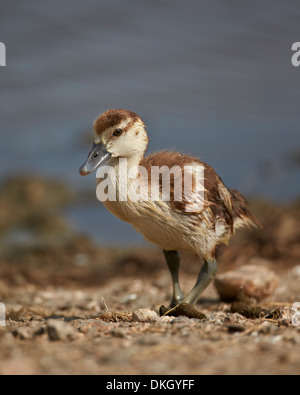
(69, 307)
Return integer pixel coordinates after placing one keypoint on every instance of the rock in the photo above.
(163, 321)
(58, 330)
(256, 281)
(27, 333)
(296, 272)
(129, 298)
(235, 328)
(23, 333)
(144, 315)
(118, 332)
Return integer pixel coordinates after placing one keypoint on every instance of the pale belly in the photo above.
(164, 227)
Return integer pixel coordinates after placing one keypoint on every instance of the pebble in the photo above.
(27, 333)
(235, 328)
(23, 333)
(183, 320)
(256, 281)
(59, 330)
(276, 339)
(130, 298)
(163, 321)
(144, 315)
(296, 272)
(118, 332)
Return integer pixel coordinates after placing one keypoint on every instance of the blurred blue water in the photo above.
(210, 78)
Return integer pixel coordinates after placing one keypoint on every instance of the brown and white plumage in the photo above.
(193, 223)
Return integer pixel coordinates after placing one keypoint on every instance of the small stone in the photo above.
(164, 320)
(23, 333)
(58, 330)
(235, 328)
(182, 320)
(38, 330)
(28, 332)
(266, 328)
(295, 273)
(185, 333)
(130, 298)
(118, 332)
(276, 339)
(144, 315)
(256, 281)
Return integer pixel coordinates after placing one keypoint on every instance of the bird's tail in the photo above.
(242, 215)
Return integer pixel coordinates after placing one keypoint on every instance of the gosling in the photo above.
(193, 219)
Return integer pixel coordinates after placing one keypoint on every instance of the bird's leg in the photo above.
(173, 262)
(205, 277)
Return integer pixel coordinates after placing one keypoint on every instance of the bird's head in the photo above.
(118, 134)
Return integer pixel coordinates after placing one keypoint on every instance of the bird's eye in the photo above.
(118, 132)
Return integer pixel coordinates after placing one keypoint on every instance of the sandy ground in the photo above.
(69, 307)
(225, 343)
